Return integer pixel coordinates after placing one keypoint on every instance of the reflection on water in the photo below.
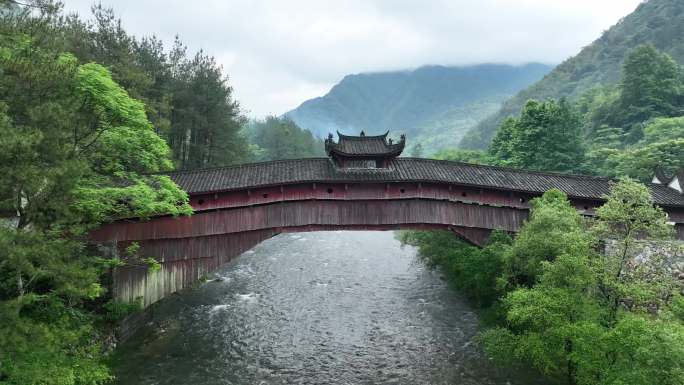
(315, 308)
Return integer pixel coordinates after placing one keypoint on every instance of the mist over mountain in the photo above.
(656, 22)
(433, 105)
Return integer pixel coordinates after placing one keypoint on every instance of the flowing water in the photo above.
(315, 308)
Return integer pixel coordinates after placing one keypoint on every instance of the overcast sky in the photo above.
(279, 53)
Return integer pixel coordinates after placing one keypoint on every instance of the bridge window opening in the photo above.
(200, 202)
(330, 191)
(402, 190)
(586, 207)
(522, 200)
(265, 195)
(463, 194)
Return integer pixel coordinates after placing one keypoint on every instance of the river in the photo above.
(315, 308)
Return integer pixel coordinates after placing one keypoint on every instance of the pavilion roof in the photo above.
(363, 146)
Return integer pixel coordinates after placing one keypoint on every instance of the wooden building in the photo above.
(363, 151)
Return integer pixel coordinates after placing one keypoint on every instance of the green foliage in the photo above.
(677, 307)
(472, 270)
(554, 228)
(579, 316)
(502, 144)
(39, 263)
(132, 249)
(628, 216)
(596, 318)
(97, 201)
(570, 312)
(644, 350)
(280, 138)
(47, 341)
(640, 161)
(76, 150)
(655, 22)
(152, 264)
(45, 336)
(664, 129)
(133, 257)
(205, 120)
(546, 136)
(122, 125)
(116, 311)
(186, 98)
(629, 213)
(652, 86)
(467, 156)
(632, 128)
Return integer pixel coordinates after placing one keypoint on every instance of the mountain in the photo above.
(658, 22)
(433, 105)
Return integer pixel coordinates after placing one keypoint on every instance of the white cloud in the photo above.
(279, 53)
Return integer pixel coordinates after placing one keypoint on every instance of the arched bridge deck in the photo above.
(239, 206)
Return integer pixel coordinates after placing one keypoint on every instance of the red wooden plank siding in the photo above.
(316, 212)
(230, 221)
(183, 262)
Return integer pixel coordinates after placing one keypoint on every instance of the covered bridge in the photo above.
(363, 184)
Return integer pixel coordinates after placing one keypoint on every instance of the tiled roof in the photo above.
(364, 145)
(403, 170)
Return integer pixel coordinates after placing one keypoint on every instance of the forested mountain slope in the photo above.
(432, 104)
(658, 22)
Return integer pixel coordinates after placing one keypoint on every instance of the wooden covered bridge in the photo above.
(361, 185)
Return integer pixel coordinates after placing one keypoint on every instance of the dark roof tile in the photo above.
(359, 146)
(403, 170)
